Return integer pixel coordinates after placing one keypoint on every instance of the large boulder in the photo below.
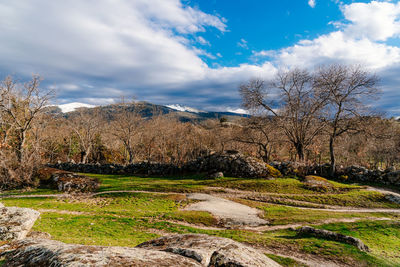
(44, 252)
(15, 223)
(210, 250)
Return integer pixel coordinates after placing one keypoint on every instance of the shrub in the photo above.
(273, 171)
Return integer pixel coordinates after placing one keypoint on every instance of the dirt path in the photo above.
(232, 214)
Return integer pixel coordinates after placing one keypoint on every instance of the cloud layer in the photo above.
(97, 51)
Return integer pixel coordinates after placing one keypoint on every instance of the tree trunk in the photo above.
(332, 154)
(300, 151)
(86, 155)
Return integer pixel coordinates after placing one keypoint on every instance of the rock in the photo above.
(44, 252)
(1, 205)
(210, 250)
(75, 183)
(334, 236)
(393, 177)
(15, 223)
(317, 183)
(216, 175)
(176, 250)
(38, 235)
(393, 198)
(66, 181)
(231, 163)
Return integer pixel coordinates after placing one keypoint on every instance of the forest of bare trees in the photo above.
(315, 117)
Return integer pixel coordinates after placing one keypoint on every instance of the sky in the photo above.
(192, 52)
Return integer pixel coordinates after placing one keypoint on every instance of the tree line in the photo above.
(317, 117)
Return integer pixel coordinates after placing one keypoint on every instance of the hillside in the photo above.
(149, 110)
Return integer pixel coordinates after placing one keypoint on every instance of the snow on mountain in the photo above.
(72, 106)
(238, 111)
(183, 108)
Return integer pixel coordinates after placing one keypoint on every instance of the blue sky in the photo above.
(264, 25)
(192, 52)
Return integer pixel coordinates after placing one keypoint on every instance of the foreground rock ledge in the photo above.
(15, 223)
(210, 250)
(177, 250)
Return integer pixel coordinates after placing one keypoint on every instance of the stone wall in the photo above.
(230, 163)
(350, 173)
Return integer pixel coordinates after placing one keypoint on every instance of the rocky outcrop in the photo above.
(177, 250)
(325, 234)
(66, 181)
(71, 182)
(230, 163)
(15, 223)
(44, 252)
(210, 250)
(318, 184)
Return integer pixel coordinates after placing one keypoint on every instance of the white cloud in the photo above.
(243, 44)
(356, 41)
(360, 39)
(337, 47)
(202, 41)
(312, 3)
(376, 21)
(95, 53)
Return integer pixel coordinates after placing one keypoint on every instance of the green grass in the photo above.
(94, 230)
(33, 191)
(164, 184)
(354, 198)
(382, 237)
(193, 217)
(127, 219)
(278, 185)
(287, 262)
(281, 215)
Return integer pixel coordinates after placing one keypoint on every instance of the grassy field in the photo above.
(127, 219)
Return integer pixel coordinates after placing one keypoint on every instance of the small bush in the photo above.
(273, 171)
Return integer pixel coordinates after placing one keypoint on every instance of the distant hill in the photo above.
(147, 110)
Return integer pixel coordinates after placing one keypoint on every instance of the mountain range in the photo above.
(146, 109)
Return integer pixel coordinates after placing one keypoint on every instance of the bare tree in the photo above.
(126, 126)
(349, 89)
(20, 109)
(260, 132)
(297, 107)
(86, 127)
